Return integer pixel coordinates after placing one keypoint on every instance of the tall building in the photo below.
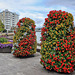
(9, 19)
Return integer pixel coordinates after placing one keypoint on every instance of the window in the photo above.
(7, 27)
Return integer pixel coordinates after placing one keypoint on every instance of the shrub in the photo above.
(24, 39)
(1, 26)
(5, 43)
(57, 42)
(2, 40)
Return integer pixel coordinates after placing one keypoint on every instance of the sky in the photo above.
(37, 9)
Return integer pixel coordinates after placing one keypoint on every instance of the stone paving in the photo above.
(11, 65)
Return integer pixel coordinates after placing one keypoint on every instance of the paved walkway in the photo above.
(10, 65)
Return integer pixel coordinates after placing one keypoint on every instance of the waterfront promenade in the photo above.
(10, 65)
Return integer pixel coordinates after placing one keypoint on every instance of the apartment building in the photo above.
(9, 19)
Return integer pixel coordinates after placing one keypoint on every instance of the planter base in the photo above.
(5, 50)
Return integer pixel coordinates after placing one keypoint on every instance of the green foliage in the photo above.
(4, 31)
(2, 40)
(1, 26)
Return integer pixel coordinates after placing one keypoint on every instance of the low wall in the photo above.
(9, 34)
(5, 50)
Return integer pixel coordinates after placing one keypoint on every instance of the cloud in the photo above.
(37, 9)
(37, 17)
(19, 2)
(25, 8)
(68, 3)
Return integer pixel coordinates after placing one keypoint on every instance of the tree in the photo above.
(1, 26)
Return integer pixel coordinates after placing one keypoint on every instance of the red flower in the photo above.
(23, 19)
(47, 67)
(64, 60)
(53, 55)
(65, 54)
(71, 35)
(47, 14)
(61, 43)
(21, 48)
(18, 24)
(15, 32)
(63, 11)
(66, 16)
(72, 61)
(58, 48)
(60, 61)
(68, 71)
(60, 19)
(57, 42)
(58, 56)
(53, 63)
(30, 47)
(68, 57)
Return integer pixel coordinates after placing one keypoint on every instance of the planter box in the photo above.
(5, 50)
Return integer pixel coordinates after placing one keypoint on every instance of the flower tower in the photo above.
(24, 39)
(58, 42)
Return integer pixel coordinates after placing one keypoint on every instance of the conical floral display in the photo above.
(24, 39)
(58, 42)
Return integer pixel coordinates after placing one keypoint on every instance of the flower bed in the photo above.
(5, 45)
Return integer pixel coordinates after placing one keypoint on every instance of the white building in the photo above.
(9, 19)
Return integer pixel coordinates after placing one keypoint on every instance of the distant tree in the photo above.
(1, 26)
(4, 31)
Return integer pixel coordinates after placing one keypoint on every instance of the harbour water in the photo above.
(38, 34)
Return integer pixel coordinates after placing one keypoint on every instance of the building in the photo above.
(9, 19)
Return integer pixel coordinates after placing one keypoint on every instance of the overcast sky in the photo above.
(37, 9)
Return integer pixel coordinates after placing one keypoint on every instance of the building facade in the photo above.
(9, 19)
